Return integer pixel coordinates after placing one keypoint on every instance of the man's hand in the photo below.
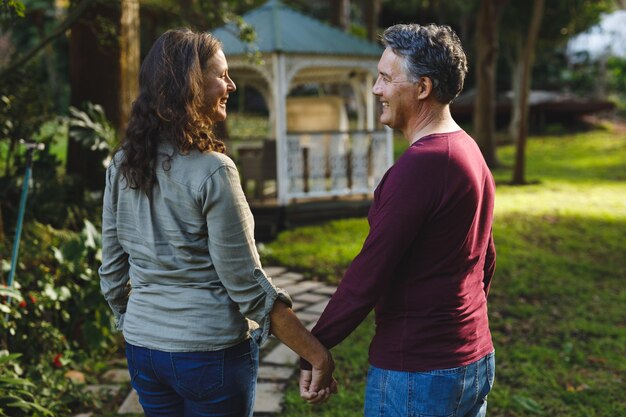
(311, 383)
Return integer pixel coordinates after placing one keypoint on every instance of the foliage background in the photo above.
(564, 229)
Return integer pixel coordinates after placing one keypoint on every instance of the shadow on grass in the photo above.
(556, 311)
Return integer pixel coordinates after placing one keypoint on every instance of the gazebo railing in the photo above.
(326, 164)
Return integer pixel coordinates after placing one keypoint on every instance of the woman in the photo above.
(179, 265)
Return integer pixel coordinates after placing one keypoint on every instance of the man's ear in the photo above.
(424, 88)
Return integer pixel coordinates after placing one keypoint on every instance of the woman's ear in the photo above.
(424, 87)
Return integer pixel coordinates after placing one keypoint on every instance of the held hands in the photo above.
(317, 385)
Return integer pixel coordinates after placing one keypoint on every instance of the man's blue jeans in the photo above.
(195, 384)
(456, 392)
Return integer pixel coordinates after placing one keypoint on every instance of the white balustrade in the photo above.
(329, 164)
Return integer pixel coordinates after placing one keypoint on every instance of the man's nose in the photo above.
(376, 90)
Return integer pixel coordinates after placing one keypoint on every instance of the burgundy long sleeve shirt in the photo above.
(427, 262)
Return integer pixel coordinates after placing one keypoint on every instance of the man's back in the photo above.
(423, 260)
(433, 314)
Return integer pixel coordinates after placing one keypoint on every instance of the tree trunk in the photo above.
(372, 14)
(515, 64)
(104, 68)
(527, 60)
(340, 14)
(130, 61)
(485, 102)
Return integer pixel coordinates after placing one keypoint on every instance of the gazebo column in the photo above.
(369, 101)
(361, 109)
(280, 126)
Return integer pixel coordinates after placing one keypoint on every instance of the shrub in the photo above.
(54, 320)
(62, 307)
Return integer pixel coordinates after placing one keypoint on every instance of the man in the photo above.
(427, 263)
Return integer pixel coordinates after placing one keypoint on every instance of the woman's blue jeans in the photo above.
(456, 392)
(195, 384)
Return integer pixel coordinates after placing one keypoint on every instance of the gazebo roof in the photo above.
(281, 29)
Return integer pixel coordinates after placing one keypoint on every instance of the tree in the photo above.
(104, 69)
(371, 16)
(526, 28)
(522, 82)
(17, 62)
(486, 44)
(340, 14)
(459, 14)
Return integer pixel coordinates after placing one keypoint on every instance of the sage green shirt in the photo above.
(188, 252)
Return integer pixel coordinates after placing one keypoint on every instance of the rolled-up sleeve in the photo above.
(232, 248)
(114, 269)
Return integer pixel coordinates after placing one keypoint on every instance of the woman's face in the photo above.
(218, 86)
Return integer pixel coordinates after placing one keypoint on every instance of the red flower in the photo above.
(33, 299)
(22, 304)
(57, 360)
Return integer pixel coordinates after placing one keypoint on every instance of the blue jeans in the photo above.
(456, 392)
(195, 384)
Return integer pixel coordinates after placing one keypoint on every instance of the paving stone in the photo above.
(116, 375)
(281, 355)
(75, 376)
(272, 372)
(310, 298)
(326, 290)
(301, 287)
(293, 275)
(283, 282)
(298, 306)
(317, 308)
(269, 397)
(131, 404)
(274, 271)
(307, 317)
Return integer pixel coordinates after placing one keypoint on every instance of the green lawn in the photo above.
(558, 302)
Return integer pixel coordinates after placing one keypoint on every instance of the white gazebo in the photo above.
(317, 155)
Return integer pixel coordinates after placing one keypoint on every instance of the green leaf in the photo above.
(10, 292)
(58, 255)
(16, 381)
(5, 356)
(92, 236)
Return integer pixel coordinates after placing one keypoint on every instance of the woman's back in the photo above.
(178, 301)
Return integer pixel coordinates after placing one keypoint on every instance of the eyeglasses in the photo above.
(388, 81)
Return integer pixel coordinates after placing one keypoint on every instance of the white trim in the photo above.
(280, 114)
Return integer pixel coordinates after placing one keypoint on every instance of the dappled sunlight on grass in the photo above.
(593, 200)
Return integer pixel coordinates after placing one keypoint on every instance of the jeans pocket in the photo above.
(198, 373)
(436, 394)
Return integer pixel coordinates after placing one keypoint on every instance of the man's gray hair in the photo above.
(431, 51)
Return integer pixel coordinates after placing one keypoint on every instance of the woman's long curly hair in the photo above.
(170, 106)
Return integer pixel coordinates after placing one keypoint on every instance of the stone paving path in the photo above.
(277, 362)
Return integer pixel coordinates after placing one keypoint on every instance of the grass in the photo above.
(557, 305)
